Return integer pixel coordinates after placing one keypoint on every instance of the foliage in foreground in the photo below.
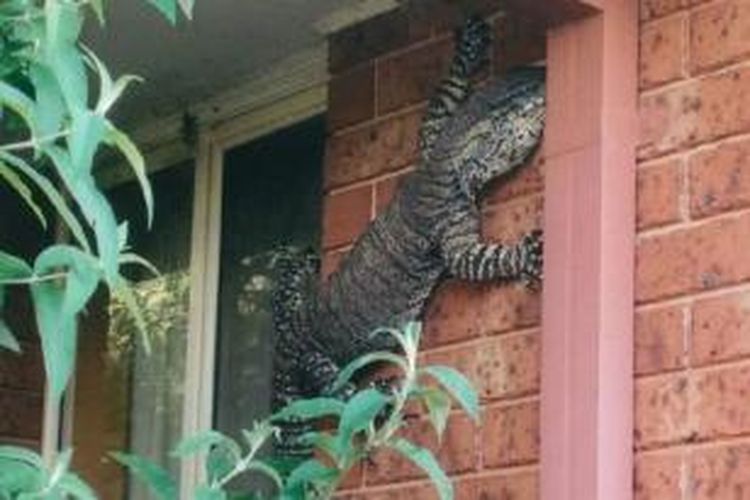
(51, 129)
(369, 422)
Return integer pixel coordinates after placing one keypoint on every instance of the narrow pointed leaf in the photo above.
(346, 374)
(426, 461)
(458, 386)
(360, 412)
(120, 140)
(200, 443)
(309, 409)
(53, 195)
(168, 8)
(24, 192)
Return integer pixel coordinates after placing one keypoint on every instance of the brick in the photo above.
(658, 194)
(661, 410)
(692, 259)
(506, 307)
(411, 77)
(457, 452)
(21, 414)
(528, 179)
(695, 112)
(385, 190)
(510, 435)
(452, 314)
(661, 51)
(501, 367)
(721, 329)
(517, 42)
(658, 476)
(720, 179)
(444, 16)
(522, 485)
(719, 34)
(351, 97)
(372, 38)
(657, 8)
(659, 340)
(345, 215)
(509, 221)
(720, 406)
(720, 472)
(401, 492)
(385, 146)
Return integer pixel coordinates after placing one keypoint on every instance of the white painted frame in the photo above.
(205, 257)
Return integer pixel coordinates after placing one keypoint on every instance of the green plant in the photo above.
(368, 422)
(24, 476)
(56, 129)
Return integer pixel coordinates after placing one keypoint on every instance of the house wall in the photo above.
(692, 293)
(383, 71)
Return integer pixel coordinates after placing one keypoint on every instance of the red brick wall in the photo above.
(383, 72)
(693, 265)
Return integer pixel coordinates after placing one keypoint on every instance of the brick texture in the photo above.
(692, 340)
(662, 51)
(490, 332)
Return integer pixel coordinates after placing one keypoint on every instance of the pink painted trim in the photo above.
(587, 367)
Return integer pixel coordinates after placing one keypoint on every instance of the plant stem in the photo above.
(34, 279)
(33, 143)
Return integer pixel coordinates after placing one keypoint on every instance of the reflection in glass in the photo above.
(128, 393)
(271, 198)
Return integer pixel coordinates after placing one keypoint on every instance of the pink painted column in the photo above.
(587, 365)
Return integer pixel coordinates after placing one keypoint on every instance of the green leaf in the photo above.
(346, 374)
(76, 487)
(360, 413)
(187, 7)
(98, 7)
(266, 470)
(323, 441)
(18, 454)
(13, 268)
(426, 461)
(458, 386)
(50, 107)
(200, 443)
(221, 460)
(207, 493)
(310, 471)
(162, 486)
(61, 467)
(63, 27)
(135, 259)
(83, 275)
(17, 477)
(7, 340)
(18, 102)
(57, 303)
(259, 434)
(309, 409)
(438, 405)
(87, 132)
(168, 9)
(109, 91)
(135, 159)
(20, 187)
(52, 194)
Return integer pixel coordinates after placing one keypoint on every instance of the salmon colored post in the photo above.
(587, 361)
